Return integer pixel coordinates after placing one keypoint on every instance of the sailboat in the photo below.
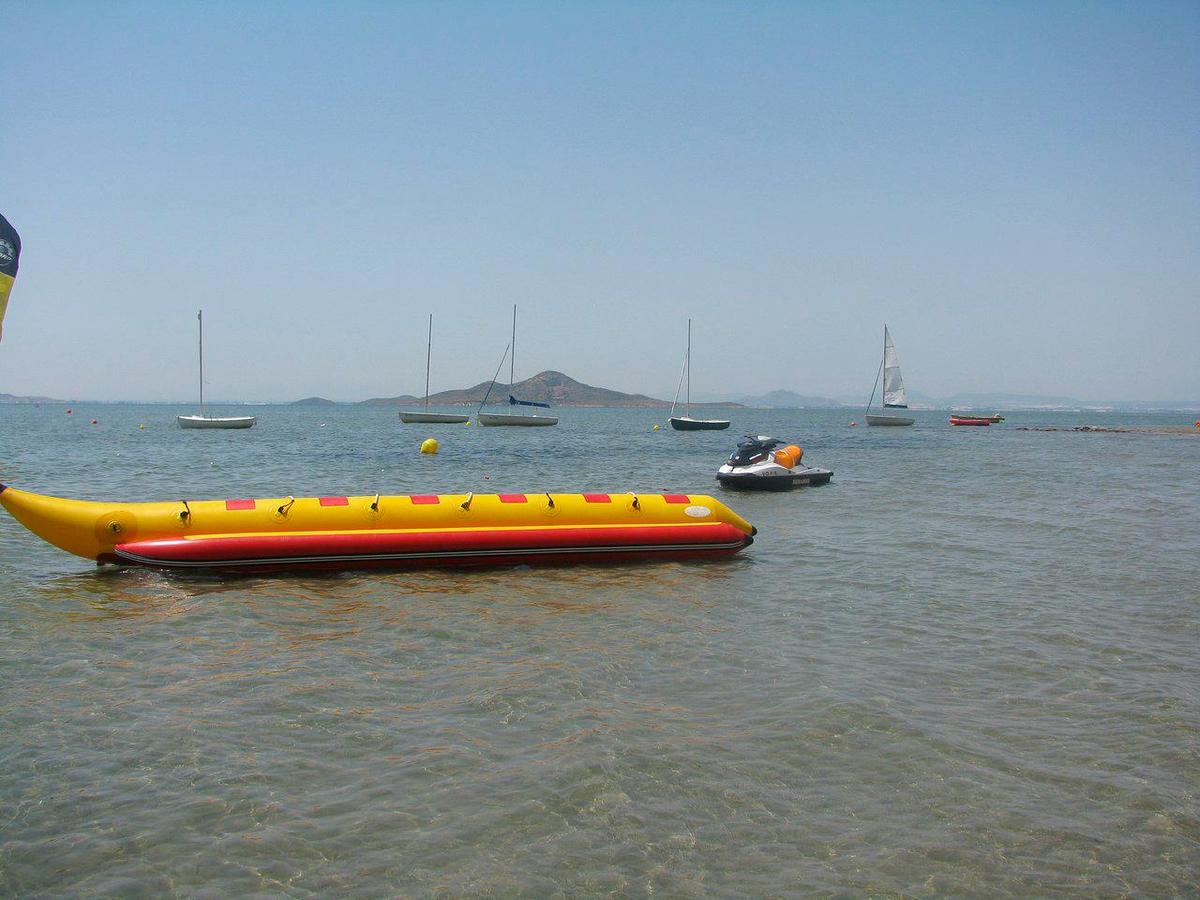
(203, 421)
(530, 420)
(410, 416)
(893, 386)
(687, 423)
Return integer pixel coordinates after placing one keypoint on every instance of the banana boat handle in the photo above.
(395, 530)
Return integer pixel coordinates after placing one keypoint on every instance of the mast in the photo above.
(512, 361)
(200, 319)
(428, 352)
(688, 366)
(879, 373)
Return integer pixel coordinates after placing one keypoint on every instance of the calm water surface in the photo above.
(969, 665)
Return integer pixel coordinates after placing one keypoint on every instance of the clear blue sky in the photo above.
(1013, 188)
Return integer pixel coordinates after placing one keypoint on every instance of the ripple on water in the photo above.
(938, 675)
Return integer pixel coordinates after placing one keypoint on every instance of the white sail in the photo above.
(893, 383)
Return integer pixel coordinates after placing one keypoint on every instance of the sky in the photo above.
(1014, 188)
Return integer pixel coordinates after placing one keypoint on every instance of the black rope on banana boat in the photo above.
(375, 504)
(285, 507)
(549, 501)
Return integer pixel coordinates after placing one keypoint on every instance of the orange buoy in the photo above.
(783, 458)
(796, 453)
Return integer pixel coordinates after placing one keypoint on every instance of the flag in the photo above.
(10, 252)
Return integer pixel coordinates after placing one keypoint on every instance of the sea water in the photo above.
(968, 665)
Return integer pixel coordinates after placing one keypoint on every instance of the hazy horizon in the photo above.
(917, 399)
(1013, 189)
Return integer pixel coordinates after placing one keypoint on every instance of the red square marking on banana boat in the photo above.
(419, 499)
(597, 498)
(513, 498)
(675, 498)
(239, 504)
(334, 501)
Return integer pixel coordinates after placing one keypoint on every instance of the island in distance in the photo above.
(554, 388)
(562, 390)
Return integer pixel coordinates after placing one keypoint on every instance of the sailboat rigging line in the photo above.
(494, 377)
(679, 387)
(872, 400)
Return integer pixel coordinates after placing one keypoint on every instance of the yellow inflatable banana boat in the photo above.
(392, 531)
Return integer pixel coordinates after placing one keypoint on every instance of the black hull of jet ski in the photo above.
(745, 481)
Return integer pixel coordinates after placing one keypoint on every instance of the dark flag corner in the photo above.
(10, 254)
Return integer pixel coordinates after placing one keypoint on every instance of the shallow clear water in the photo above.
(969, 665)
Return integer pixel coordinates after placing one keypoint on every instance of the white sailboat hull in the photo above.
(215, 422)
(888, 420)
(513, 419)
(433, 418)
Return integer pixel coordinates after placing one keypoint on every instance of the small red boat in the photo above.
(969, 420)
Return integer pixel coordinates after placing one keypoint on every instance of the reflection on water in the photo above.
(935, 675)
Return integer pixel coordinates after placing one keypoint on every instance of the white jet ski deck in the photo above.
(762, 463)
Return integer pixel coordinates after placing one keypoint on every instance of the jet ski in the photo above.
(763, 463)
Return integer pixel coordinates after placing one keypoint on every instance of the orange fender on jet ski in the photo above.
(385, 531)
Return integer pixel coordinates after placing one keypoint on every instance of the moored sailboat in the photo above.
(425, 416)
(893, 387)
(532, 420)
(203, 421)
(687, 423)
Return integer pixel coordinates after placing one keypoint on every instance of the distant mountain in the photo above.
(1035, 402)
(315, 401)
(783, 399)
(998, 401)
(554, 388)
(14, 398)
(1004, 401)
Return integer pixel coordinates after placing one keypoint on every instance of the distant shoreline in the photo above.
(1189, 411)
(562, 391)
